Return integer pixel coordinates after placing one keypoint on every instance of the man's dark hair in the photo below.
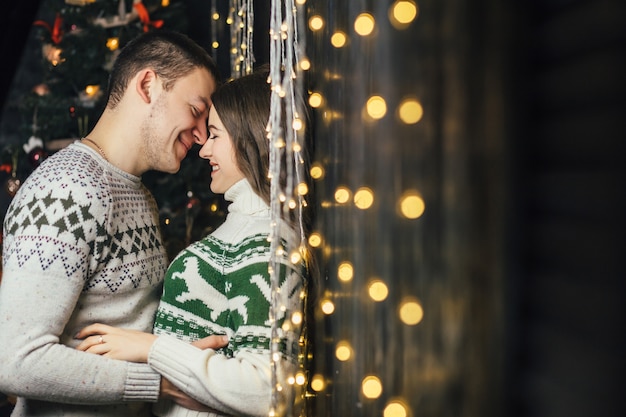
(171, 55)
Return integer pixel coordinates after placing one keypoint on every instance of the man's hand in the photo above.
(168, 390)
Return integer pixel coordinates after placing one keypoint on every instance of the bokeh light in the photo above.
(305, 64)
(317, 383)
(300, 378)
(316, 100)
(315, 239)
(371, 386)
(378, 290)
(364, 198)
(317, 171)
(339, 39)
(412, 205)
(113, 43)
(410, 111)
(376, 107)
(345, 271)
(342, 195)
(402, 13)
(327, 306)
(316, 23)
(411, 312)
(364, 24)
(296, 317)
(343, 352)
(395, 409)
(303, 188)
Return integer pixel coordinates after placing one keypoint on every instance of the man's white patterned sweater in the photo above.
(81, 245)
(221, 285)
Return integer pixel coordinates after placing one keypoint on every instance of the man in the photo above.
(82, 241)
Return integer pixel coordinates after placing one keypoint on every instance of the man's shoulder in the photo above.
(69, 169)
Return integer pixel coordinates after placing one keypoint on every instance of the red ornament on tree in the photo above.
(36, 156)
(192, 203)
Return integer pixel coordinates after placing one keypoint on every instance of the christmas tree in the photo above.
(79, 40)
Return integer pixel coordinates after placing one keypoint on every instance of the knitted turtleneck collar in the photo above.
(245, 200)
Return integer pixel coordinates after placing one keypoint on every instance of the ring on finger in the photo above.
(101, 340)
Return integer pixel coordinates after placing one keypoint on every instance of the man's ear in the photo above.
(146, 83)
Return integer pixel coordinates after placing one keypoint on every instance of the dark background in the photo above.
(564, 321)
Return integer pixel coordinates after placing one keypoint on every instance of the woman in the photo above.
(221, 284)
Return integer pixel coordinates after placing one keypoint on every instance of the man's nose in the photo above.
(200, 133)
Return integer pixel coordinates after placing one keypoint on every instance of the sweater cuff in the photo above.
(142, 383)
(165, 357)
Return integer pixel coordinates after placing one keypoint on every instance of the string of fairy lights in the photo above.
(286, 146)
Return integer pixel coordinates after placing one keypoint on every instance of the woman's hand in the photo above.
(214, 342)
(115, 343)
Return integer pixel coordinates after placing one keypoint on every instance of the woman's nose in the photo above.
(205, 150)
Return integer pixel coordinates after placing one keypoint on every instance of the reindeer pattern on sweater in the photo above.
(217, 286)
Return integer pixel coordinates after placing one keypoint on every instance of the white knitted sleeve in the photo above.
(237, 386)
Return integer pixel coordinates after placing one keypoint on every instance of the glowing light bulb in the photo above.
(339, 39)
(345, 271)
(305, 64)
(113, 43)
(327, 306)
(295, 257)
(92, 90)
(402, 13)
(342, 195)
(376, 107)
(411, 312)
(296, 318)
(364, 24)
(316, 100)
(363, 198)
(316, 23)
(371, 386)
(300, 378)
(378, 290)
(343, 352)
(395, 409)
(315, 240)
(317, 171)
(412, 205)
(215, 44)
(303, 189)
(410, 111)
(297, 124)
(317, 383)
